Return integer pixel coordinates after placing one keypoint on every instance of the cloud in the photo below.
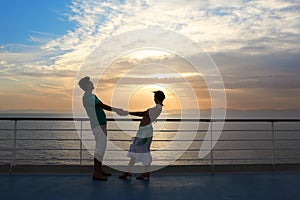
(248, 27)
(279, 71)
(254, 26)
(41, 37)
(245, 39)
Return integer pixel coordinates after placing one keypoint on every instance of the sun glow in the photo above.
(143, 97)
(142, 54)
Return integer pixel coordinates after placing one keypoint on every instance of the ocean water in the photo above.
(58, 142)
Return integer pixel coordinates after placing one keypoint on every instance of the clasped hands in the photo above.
(121, 112)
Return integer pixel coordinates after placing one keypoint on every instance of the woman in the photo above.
(140, 148)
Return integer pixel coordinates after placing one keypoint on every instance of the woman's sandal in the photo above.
(124, 175)
(143, 176)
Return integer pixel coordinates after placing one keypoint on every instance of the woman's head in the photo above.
(159, 96)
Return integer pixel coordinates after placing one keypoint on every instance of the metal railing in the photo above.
(279, 141)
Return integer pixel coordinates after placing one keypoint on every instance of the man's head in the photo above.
(86, 84)
(159, 96)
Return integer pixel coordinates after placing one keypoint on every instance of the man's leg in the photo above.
(103, 147)
(97, 175)
(100, 139)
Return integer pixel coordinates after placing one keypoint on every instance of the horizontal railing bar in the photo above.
(189, 150)
(169, 130)
(155, 140)
(37, 129)
(232, 149)
(45, 159)
(121, 160)
(235, 159)
(91, 160)
(137, 119)
(197, 150)
(287, 149)
(183, 159)
(255, 149)
(177, 150)
(37, 149)
(242, 131)
(296, 158)
(113, 130)
(114, 150)
(72, 149)
(222, 140)
(47, 139)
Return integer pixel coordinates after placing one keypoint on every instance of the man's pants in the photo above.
(100, 134)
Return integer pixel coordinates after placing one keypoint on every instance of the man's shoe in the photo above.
(106, 173)
(99, 177)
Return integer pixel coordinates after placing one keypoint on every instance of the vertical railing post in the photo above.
(14, 147)
(211, 147)
(80, 162)
(273, 144)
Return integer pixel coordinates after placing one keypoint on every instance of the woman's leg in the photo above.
(128, 173)
(146, 173)
(147, 168)
(130, 164)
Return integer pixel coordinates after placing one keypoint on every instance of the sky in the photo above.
(254, 44)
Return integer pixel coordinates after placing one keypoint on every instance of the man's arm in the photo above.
(107, 107)
(104, 106)
(119, 111)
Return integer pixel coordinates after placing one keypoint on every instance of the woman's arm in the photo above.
(139, 114)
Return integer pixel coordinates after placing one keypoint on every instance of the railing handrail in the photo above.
(138, 119)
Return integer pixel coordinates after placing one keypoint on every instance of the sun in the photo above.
(143, 97)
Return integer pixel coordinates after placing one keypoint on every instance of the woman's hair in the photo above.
(159, 95)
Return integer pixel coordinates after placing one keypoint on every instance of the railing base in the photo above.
(84, 169)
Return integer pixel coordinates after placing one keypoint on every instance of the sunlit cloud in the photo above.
(253, 27)
(243, 37)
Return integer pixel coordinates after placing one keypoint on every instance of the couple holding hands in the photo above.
(139, 150)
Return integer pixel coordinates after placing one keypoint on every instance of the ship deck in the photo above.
(228, 185)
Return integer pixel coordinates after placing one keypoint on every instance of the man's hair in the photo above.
(83, 82)
(159, 95)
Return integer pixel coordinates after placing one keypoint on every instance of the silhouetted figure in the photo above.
(94, 109)
(140, 148)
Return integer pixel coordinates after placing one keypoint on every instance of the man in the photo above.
(94, 109)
